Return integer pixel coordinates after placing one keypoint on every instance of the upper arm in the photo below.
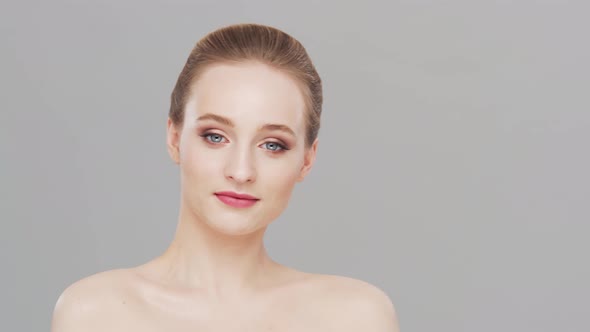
(72, 310)
(365, 307)
(65, 312)
(376, 312)
(82, 306)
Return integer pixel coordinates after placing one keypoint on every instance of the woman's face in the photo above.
(243, 132)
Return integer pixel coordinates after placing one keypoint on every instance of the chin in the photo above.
(236, 226)
(229, 221)
(235, 222)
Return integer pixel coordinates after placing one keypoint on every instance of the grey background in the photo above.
(452, 170)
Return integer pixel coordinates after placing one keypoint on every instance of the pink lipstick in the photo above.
(236, 200)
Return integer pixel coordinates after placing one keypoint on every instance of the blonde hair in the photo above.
(252, 42)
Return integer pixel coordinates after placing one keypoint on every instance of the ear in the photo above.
(309, 159)
(173, 141)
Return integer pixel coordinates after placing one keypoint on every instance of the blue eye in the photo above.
(274, 146)
(212, 137)
(215, 138)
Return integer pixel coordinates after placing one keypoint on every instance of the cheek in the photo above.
(196, 161)
(281, 180)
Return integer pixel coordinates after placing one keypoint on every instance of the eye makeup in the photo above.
(214, 138)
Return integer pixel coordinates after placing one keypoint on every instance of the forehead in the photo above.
(248, 93)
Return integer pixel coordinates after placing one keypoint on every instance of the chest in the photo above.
(202, 318)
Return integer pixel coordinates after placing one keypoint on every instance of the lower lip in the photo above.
(236, 202)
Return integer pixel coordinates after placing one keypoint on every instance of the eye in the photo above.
(213, 137)
(274, 146)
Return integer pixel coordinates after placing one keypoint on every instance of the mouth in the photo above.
(236, 200)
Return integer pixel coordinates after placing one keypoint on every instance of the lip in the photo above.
(235, 195)
(236, 200)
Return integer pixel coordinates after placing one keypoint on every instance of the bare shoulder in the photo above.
(364, 306)
(84, 304)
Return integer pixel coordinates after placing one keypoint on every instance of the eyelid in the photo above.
(207, 133)
(282, 145)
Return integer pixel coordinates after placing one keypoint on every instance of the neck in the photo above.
(220, 264)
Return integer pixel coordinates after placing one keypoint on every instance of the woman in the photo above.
(242, 127)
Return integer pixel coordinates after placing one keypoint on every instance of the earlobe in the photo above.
(172, 140)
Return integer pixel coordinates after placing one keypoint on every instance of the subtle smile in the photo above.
(236, 200)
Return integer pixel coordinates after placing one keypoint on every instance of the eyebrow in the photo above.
(228, 122)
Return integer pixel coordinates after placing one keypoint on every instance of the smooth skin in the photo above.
(216, 274)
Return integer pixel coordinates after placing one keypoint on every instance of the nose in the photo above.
(240, 166)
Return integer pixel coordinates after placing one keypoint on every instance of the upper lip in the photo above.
(236, 195)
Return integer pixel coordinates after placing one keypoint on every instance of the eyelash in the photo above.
(282, 147)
